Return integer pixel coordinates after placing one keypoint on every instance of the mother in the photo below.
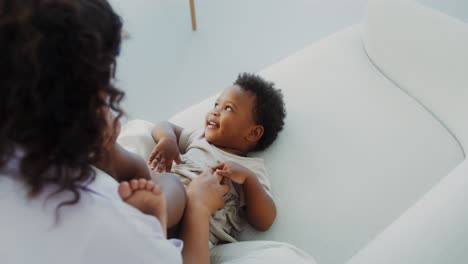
(57, 146)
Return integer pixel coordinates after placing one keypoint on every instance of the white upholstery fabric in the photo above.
(355, 153)
(433, 231)
(259, 252)
(135, 136)
(425, 53)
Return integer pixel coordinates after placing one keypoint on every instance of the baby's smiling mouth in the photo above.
(211, 124)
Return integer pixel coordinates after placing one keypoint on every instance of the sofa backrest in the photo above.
(434, 50)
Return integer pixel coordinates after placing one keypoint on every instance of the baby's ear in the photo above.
(256, 132)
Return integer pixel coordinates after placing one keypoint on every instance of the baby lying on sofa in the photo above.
(246, 117)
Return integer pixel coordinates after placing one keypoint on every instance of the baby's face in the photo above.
(231, 119)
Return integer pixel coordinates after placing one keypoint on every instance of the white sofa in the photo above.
(377, 117)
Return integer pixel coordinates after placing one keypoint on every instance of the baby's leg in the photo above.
(147, 197)
(174, 192)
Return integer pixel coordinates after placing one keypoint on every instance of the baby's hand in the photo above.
(163, 154)
(234, 171)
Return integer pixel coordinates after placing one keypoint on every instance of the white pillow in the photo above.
(135, 136)
(259, 252)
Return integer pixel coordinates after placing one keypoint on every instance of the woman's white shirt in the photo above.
(101, 228)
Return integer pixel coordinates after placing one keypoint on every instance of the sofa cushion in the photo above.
(425, 53)
(355, 153)
(433, 231)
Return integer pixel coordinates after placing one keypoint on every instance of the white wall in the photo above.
(455, 8)
(166, 67)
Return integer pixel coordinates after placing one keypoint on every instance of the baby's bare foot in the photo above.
(145, 196)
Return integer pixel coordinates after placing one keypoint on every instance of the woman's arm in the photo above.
(127, 165)
(205, 196)
(195, 233)
(123, 165)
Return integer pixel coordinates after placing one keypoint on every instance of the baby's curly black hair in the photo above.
(57, 61)
(269, 109)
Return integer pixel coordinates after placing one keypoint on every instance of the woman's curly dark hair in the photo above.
(269, 109)
(57, 62)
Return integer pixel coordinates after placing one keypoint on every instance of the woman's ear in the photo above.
(256, 133)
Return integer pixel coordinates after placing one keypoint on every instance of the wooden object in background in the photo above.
(192, 14)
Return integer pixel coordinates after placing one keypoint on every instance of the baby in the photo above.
(246, 117)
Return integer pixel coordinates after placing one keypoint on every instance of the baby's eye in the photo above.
(216, 105)
(228, 108)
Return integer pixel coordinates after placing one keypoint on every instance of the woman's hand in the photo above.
(206, 193)
(234, 171)
(163, 154)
